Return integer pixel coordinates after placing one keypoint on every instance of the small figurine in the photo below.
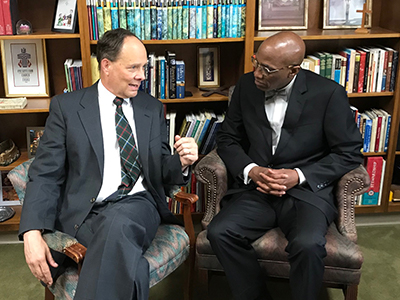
(24, 27)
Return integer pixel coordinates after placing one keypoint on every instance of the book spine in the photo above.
(137, 20)
(394, 68)
(100, 20)
(175, 20)
(215, 19)
(147, 21)
(389, 70)
(172, 77)
(223, 19)
(361, 73)
(199, 20)
(367, 135)
(153, 20)
(243, 25)
(170, 19)
(8, 26)
(114, 15)
(159, 20)
(130, 17)
(89, 13)
(384, 72)
(389, 120)
(179, 19)
(374, 169)
(185, 20)
(219, 22)
(180, 79)
(94, 19)
(378, 134)
(356, 72)
(210, 20)
(204, 21)
(192, 21)
(122, 14)
(328, 66)
(162, 78)
(234, 19)
(164, 34)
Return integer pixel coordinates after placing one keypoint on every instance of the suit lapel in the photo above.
(142, 123)
(90, 118)
(296, 103)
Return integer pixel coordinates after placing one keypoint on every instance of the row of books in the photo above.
(375, 166)
(165, 76)
(8, 16)
(374, 125)
(362, 70)
(168, 19)
(73, 74)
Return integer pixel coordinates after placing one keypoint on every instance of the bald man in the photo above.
(76, 184)
(287, 137)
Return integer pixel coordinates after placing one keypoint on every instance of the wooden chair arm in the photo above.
(76, 252)
(187, 200)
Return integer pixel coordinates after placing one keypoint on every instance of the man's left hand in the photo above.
(186, 147)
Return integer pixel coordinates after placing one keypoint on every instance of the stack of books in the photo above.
(73, 74)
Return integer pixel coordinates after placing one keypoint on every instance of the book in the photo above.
(122, 14)
(2, 28)
(366, 129)
(317, 63)
(93, 7)
(336, 67)
(172, 117)
(94, 67)
(192, 20)
(389, 68)
(394, 70)
(180, 79)
(114, 15)
(90, 17)
(10, 15)
(322, 58)
(374, 166)
(161, 76)
(185, 19)
(361, 73)
(146, 24)
(210, 19)
(328, 65)
(153, 20)
(100, 19)
(178, 19)
(107, 16)
(356, 71)
(171, 62)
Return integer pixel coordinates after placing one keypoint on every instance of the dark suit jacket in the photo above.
(66, 175)
(319, 136)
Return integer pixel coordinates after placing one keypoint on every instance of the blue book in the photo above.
(231, 18)
(161, 86)
(142, 19)
(227, 19)
(100, 20)
(147, 21)
(179, 19)
(136, 19)
(367, 134)
(223, 19)
(215, 20)
(94, 22)
(389, 121)
(130, 17)
(185, 19)
(199, 20)
(180, 79)
(114, 15)
(153, 20)
(234, 19)
(204, 21)
(175, 20)
(239, 19)
(164, 35)
(159, 20)
(192, 20)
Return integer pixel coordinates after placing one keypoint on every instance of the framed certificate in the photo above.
(25, 68)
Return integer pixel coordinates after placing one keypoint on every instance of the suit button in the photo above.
(92, 200)
(76, 227)
(318, 186)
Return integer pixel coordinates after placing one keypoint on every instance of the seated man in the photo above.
(287, 137)
(100, 174)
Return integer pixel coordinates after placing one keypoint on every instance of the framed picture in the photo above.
(282, 14)
(8, 195)
(25, 66)
(343, 13)
(65, 16)
(208, 66)
(33, 135)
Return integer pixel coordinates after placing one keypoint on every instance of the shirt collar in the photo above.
(106, 94)
(284, 92)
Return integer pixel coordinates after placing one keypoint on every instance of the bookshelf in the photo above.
(235, 60)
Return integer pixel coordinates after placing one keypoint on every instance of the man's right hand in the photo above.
(38, 256)
(274, 182)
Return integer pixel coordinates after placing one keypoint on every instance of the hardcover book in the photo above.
(374, 166)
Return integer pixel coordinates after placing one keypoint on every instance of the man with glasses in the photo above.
(287, 137)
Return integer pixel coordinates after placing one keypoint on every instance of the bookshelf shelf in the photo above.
(374, 154)
(320, 34)
(394, 207)
(187, 41)
(33, 106)
(363, 95)
(20, 160)
(41, 34)
(13, 223)
(197, 97)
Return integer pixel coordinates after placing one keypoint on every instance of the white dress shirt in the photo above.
(276, 103)
(112, 160)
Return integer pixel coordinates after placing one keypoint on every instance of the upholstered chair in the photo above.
(171, 246)
(344, 259)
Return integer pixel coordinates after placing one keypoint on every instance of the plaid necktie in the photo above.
(130, 166)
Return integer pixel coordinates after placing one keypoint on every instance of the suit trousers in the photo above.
(116, 235)
(246, 217)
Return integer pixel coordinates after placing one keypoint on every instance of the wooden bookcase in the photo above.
(235, 60)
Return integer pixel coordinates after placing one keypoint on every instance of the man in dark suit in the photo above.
(287, 137)
(101, 174)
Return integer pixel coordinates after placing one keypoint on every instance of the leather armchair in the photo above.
(172, 245)
(344, 259)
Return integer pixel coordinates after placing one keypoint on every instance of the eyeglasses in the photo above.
(264, 69)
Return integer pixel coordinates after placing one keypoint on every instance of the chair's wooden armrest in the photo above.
(211, 171)
(187, 200)
(349, 186)
(76, 252)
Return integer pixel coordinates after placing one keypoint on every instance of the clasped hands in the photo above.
(186, 147)
(274, 181)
